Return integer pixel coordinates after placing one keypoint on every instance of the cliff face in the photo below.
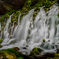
(15, 2)
(9, 5)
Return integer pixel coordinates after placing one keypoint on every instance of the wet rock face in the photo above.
(9, 5)
(58, 1)
(5, 7)
(2, 9)
(15, 2)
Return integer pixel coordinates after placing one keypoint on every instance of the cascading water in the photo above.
(31, 33)
(0, 31)
(6, 32)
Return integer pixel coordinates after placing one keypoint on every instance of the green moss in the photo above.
(18, 54)
(35, 51)
(39, 4)
(43, 40)
(20, 58)
(6, 15)
(1, 40)
(56, 54)
(35, 12)
(7, 55)
(46, 9)
(27, 6)
(12, 52)
(58, 14)
(1, 46)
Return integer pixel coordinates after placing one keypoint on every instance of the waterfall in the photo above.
(19, 19)
(0, 32)
(12, 29)
(0, 26)
(31, 33)
(6, 32)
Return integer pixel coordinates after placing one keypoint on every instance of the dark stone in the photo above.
(16, 3)
(9, 5)
(5, 7)
(34, 2)
(58, 1)
(16, 48)
(2, 9)
(24, 48)
(28, 57)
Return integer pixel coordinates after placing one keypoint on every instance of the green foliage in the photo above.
(12, 50)
(27, 6)
(17, 13)
(6, 15)
(48, 4)
(7, 55)
(39, 4)
(14, 17)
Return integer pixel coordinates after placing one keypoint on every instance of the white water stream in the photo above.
(31, 34)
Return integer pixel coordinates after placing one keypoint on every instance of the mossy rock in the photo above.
(16, 48)
(20, 58)
(56, 54)
(13, 50)
(58, 14)
(1, 40)
(7, 55)
(11, 53)
(43, 40)
(36, 51)
(1, 46)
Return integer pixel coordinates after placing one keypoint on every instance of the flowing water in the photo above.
(0, 31)
(30, 34)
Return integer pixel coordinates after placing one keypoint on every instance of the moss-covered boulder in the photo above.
(1, 46)
(1, 40)
(7, 55)
(36, 51)
(11, 53)
(43, 40)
